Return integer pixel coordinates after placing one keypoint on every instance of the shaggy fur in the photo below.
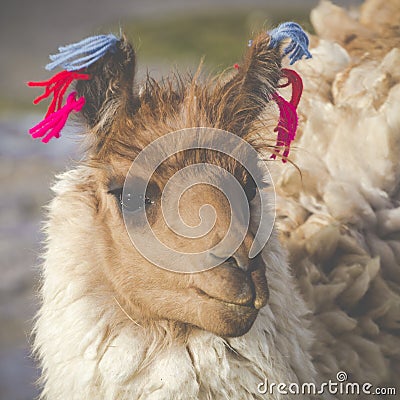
(92, 350)
(110, 326)
(339, 218)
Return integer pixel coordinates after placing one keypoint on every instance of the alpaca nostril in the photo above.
(234, 261)
(238, 262)
(231, 260)
(239, 259)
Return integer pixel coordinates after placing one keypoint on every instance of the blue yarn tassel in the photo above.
(80, 55)
(298, 47)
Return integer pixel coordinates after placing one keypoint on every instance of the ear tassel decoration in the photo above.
(298, 47)
(52, 124)
(91, 49)
(296, 50)
(287, 126)
(73, 58)
(58, 85)
(288, 119)
(295, 80)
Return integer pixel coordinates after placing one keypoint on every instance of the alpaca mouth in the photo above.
(230, 299)
(236, 288)
(235, 304)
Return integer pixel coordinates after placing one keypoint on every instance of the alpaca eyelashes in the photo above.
(131, 202)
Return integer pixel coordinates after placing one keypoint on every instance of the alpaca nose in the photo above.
(239, 258)
(238, 261)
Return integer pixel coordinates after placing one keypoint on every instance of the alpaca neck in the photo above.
(92, 345)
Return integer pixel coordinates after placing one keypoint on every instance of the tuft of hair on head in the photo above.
(114, 106)
(113, 101)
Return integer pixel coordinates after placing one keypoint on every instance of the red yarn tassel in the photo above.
(52, 124)
(287, 126)
(288, 119)
(295, 80)
(58, 85)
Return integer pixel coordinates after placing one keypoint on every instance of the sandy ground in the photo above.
(29, 30)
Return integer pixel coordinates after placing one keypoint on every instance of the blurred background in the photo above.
(167, 34)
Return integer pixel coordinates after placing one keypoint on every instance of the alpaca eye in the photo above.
(131, 201)
(134, 202)
(250, 188)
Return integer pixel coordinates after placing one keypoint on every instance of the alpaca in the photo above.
(114, 326)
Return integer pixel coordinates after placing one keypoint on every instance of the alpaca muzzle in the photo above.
(234, 285)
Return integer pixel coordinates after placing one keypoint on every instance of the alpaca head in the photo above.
(122, 119)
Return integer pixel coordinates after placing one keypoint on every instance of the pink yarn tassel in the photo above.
(288, 119)
(52, 124)
(287, 126)
(295, 80)
(57, 85)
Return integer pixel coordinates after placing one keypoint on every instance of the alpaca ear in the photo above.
(245, 96)
(110, 84)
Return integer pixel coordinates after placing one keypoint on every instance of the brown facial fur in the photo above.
(121, 122)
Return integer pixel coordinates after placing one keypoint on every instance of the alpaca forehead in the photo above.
(168, 106)
(196, 163)
(203, 158)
